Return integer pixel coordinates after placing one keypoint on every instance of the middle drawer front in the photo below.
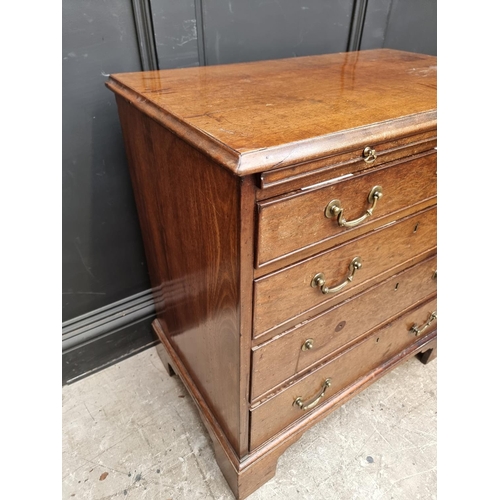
(348, 367)
(304, 345)
(281, 297)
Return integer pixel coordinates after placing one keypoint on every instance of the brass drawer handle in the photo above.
(369, 154)
(319, 279)
(417, 330)
(298, 402)
(334, 209)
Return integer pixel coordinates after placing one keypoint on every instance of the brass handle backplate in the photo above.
(334, 209)
(308, 345)
(369, 154)
(303, 406)
(417, 330)
(319, 279)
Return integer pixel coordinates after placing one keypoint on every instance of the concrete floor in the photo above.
(132, 432)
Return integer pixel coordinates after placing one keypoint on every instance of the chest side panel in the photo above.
(189, 210)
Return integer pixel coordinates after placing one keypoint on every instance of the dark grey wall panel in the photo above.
(412, 26)
(401, 24)
(176, 33)
(240, 30)
(103, 258)
(375, 24)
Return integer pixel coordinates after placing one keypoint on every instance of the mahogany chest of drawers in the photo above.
(288, 211)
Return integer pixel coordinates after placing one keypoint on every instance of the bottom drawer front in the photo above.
(282, 410)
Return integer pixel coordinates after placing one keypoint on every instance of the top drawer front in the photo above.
(298, 221)
(286, 178)
(283, 296)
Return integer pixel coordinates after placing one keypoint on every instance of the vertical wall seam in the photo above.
(145, 34)
(387, 23)
(357, 25)
(200, 32)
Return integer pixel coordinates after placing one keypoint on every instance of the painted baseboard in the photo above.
(107, 335)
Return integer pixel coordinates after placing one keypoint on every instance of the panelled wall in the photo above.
(107, 303)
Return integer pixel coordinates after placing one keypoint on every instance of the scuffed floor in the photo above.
(132, 432)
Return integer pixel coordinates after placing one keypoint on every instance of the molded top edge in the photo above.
(252, 117)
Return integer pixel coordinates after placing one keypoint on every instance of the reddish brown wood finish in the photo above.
(191, 206)
(404, 184)
(356, 361)
(208, 148)
(285, 179)
(276, 361)
(286, 294)
(257, 116)
(343, 237)
(246, 475)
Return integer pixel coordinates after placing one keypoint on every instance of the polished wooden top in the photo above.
(260, 115)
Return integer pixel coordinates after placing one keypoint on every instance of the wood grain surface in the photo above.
(189, 210)
(286, 294)
(282, 357)
(228, 165)
(256, 116)
(284, 179)
(278, 412)
(292, 222)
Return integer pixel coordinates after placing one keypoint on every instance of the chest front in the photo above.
(288, 211)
